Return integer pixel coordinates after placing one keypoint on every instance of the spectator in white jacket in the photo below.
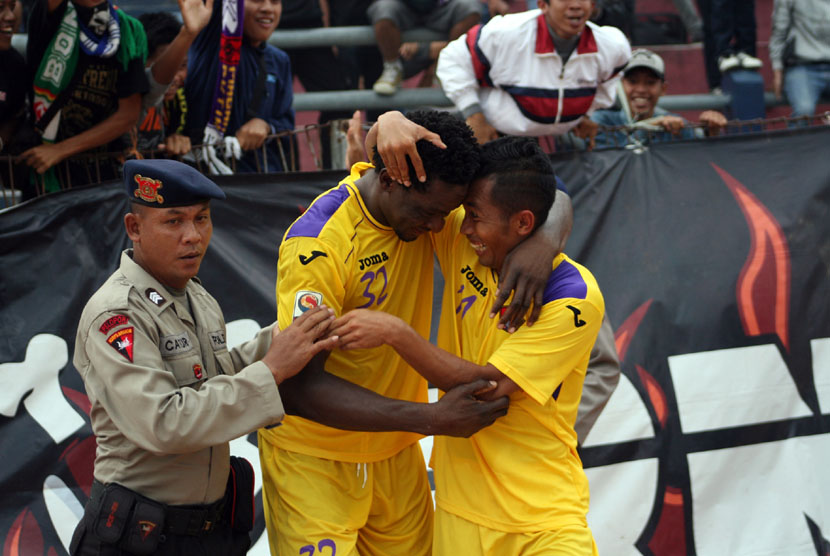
(541, 72)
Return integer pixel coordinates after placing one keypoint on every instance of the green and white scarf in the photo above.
(125, 39)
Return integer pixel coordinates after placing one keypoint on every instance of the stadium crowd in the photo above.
(98, 87)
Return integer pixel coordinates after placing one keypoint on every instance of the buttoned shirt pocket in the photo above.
(224, 363)
(183, 358)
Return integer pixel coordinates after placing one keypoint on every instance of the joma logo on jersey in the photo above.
(474, 280)
(373, 260)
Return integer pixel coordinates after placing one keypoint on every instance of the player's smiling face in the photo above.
(486, 226)
(261, 18)
(411, 212)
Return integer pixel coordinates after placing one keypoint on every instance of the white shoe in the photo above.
(390, 79)
(728, 63)
(749, 62)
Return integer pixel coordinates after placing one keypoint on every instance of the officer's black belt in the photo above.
(192, 520)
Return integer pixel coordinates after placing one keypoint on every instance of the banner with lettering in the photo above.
(714, 259)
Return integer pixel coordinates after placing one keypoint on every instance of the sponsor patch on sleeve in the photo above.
(305, 301)
(113, 322)
(175, 344)
(218, 340)
(122, 342)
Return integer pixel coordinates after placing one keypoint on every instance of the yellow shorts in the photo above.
(455, 535)
(321, 507)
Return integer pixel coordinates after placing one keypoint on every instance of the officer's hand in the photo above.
(292, 348)
(363, 329)
(459, 413)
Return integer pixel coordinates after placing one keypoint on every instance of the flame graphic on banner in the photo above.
(655, 394)
(670, 534)
(24, 534)
(763, 289)
(626, 331)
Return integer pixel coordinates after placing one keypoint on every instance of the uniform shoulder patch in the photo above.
(155, 297)
(306, 300)
(113, 322)
(122, 342)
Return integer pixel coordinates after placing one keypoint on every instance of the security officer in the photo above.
(167, 394)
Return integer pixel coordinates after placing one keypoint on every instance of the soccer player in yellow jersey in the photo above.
(516, 487)
(363, 245)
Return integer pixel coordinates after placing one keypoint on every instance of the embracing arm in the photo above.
(359, 329)
(527, 267)
(322, 397)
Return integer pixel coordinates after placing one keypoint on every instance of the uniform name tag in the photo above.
(175, 344)
(217, 339)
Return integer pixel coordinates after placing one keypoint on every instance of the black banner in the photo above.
(714, 258)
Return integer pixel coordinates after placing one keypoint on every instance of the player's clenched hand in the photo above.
(291, 349)
(363, 329)
(460, 413)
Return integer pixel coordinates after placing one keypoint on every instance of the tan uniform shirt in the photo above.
(167, 395)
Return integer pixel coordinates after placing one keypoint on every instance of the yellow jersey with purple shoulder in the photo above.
(338, 254)
(522, 473)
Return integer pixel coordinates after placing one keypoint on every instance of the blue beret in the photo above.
(164, 183)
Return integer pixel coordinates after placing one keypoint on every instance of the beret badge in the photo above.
(148, 189)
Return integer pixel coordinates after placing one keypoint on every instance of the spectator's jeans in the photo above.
(804, 84)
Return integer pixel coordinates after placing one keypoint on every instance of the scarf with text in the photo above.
(230, 46)
(118, 35)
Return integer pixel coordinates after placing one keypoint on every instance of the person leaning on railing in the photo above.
(88, 63)
(643, 84)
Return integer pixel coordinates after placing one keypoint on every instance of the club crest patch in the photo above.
(122, 342)
(113, 322)
(197, 371)
(148, 189)
(155, 297)
(305, 301)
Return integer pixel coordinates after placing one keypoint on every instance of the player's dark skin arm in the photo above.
(362, 329)
(322, 397)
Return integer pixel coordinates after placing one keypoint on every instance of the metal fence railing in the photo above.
(15, 178)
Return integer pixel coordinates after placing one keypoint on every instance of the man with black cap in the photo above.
(167, 394)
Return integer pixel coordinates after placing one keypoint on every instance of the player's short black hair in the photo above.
(522, 175)
(457, 164)
(161, 28)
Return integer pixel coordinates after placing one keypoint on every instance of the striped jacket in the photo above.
(510, 67)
